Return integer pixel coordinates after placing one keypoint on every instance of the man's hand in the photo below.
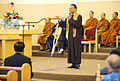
(69, 17)
(63, 18)
(40, 33)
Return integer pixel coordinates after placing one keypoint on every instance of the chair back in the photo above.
(4, 72)
(90, 32)
(10, 76)
(24, 72)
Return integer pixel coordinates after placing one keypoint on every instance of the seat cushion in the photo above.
(87, 39)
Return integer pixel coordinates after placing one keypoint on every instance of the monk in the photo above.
(47, 31)
(108, 37)
(102, 26)
(73, 25)
(91, 23)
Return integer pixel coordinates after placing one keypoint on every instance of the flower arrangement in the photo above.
(11, 15)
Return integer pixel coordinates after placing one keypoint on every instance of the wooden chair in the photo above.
(98, 73)
(89, 41)
(24, 72)
(11, 76)
(117, 38)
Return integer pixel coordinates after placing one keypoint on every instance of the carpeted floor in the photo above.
(56, 69)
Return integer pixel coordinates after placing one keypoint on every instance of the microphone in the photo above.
(70, 14)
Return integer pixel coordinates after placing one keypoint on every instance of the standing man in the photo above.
(73, 25)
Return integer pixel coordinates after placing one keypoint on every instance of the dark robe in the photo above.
(74, 43)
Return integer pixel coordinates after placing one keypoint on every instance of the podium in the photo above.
(9, 37)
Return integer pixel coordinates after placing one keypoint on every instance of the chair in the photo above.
(24, 72)
(89, 41)
(98, 73)
(10, 76)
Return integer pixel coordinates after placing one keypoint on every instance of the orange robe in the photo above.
(42, 39)
(108, 37)
(102, 25)
(91, 23)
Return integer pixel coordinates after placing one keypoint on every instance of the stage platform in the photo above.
(46, 68)
(50, 69)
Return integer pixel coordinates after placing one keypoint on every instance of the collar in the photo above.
(19, 52)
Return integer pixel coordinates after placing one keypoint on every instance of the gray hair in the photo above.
(113, 61)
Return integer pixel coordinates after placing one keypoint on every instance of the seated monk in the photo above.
(108, 37)
(91, 23)
(102, 26)
(42, 39)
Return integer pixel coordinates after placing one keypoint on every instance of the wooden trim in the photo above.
(12, 76)
(43, 19)
(26, 72)
(3, 76)
(11, 68)
(39, 21)
(96, 38)
(90, 42)
(98, 73)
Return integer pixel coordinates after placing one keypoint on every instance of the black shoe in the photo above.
(73, 66)
(77, 66)
(48, 50)
(42, 50)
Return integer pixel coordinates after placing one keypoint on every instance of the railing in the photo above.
(29, 23)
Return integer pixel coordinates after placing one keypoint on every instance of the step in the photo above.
(100, 50)
(34, 79)
(101, 56)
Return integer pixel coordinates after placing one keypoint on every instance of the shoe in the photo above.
(77, 66)
(48, 50)
(73, 66)
(61, 51)
(42, 50)
(98, 45)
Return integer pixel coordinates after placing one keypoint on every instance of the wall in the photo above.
(33, 11)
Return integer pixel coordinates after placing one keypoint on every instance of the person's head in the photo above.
(19, 47)
(103, 16)
(113, 62)
(115, 51)
(73, 8)
(115, 14)
(48, 20)
(11, 4)
(91, 14)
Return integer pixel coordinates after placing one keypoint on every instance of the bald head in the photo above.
(48, 20)
(91, 14)
(113, 61)
(103, 15)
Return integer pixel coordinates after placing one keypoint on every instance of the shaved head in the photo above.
(48, 20)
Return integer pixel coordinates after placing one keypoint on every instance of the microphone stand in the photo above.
(24, 29)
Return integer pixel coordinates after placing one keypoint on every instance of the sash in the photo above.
(67, 26)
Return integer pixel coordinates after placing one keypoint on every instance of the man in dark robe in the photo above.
(73, 26)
